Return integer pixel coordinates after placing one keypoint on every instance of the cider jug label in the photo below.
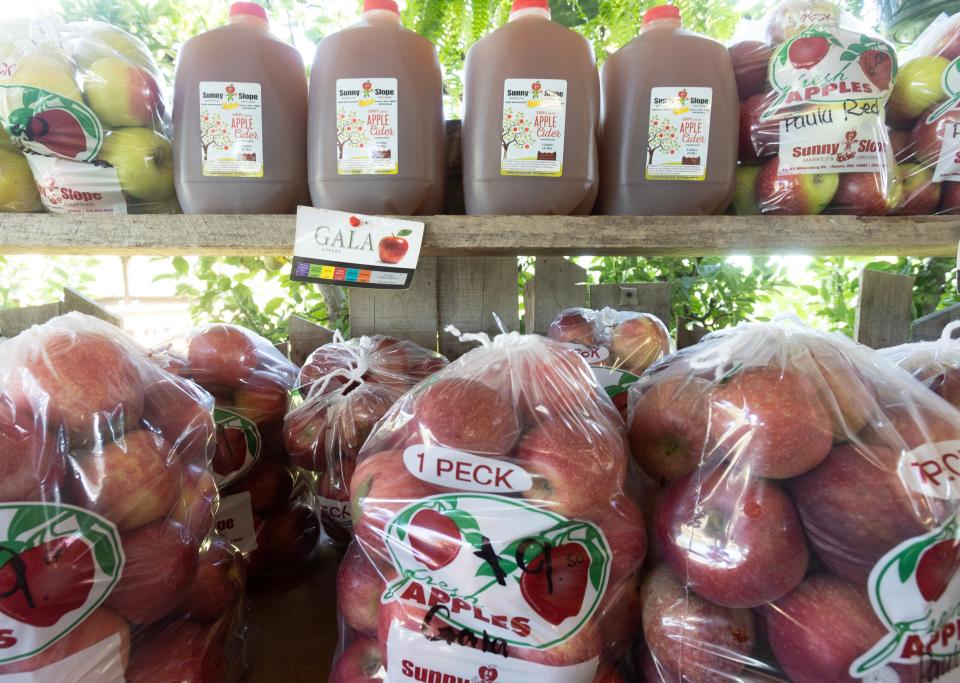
(367, 129)
(534, 119)
(231, 129)
(678, 134)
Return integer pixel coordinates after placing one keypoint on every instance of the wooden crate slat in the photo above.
(557, 284)
(885, 311)
(470, 291)
(405, 314)
(496, 235)
(646, 297)
(13, 321)
(304, 337)
(930, 327)
(75, 301)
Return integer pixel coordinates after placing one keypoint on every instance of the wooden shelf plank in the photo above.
(496, 235)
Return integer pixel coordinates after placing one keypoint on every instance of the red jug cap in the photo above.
(661, 12)
(250, 9)
(389, 5)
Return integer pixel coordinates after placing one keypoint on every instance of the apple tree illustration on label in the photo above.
(915, 592)
(50, 124)
(238, 446)
(497, 569)
(57, 564)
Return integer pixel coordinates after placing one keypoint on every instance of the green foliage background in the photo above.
(711, 292)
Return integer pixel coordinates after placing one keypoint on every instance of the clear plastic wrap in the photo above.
(618, 345)
(348, 387)
(813, 136)
(935, 363)
(82, 106)
(106, 511)
(268, 504)
(495, 535)
(923, 113)
(808, 527)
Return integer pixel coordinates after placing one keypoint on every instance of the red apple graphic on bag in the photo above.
(434, 539)
(937, 566)
(878, 67)
(555, 589)
(807, 52)
(231, 450)
(393, 248)
(38, 586)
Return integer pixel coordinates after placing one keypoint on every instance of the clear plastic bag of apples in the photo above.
(268, 504)
(109, 566)
(814, 83)
(923, 113)
(497, 533)
(935, 363)
(347, 387)
(618, 345)
(805, 516)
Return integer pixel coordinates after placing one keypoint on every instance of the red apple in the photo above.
(392, 249)
(200, 655)
(262, 398)
(575, 467)
(222, 354)
(182, 413)
(305, 431)
(847, 395)
(771, 421)
(286, 539)
(161, 565)
(608, 675)
(902, 144)
(921, 196)
(638, 342)
(903, 426)
(950, 198)
(359, 587)
(668, 429)
(99, 625)
(868, 194)
(619, 615)
(695, 638)
(623, 525)
(575, 326)
(929, 138)
(269, 485)
(838, 505)
(736, 540)
(361, 662)
(819, 629)
(231, 450)
(195, 510)
(800, 194)
(89, 383)
(750, 58)
(582, 647)
(324, 361)
(758, 139)
(31, 461)
(466, 415)
(130, 482)
(356, 414)
(218, 585)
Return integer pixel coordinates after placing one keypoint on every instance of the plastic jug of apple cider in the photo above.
(669, 123)
(377, 131)
(531, 111)
(240, 119)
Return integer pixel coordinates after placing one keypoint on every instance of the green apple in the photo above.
(48, 72)
(18, 192)
(121, 94)
(802, 194)
(143, 160)
(921, 196)
(98, 39)
(917, 89)
(744, 197)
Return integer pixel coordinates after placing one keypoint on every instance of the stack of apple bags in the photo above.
(84, 119)
(109, 565)
(267, 504)
(924, 116)
(804, 521)
(836, 155)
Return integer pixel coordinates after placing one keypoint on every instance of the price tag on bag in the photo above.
(353, 250)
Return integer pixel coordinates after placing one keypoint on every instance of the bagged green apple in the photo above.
(348, 387)
(107, 510)
(925, 115)
(495, 536)
(267, 505)
(808, 528)
(83, 103)
(813, 136)
(618, 345)
(935, 363)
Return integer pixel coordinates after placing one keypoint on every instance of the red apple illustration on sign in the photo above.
(807, 52)
(555, 590)
(878, 67)
(488, 674)
(59, 131)
(393, 248)
(434, 539)
(231, 90)
(231, 450)
(40, 585)
(936, 567)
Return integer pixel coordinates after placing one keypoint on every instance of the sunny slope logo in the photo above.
(73, 553)
(915, 592)
(950, 82)
(497, 568)
(50, 124)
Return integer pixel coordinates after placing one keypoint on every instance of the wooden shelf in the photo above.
(496, 235)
